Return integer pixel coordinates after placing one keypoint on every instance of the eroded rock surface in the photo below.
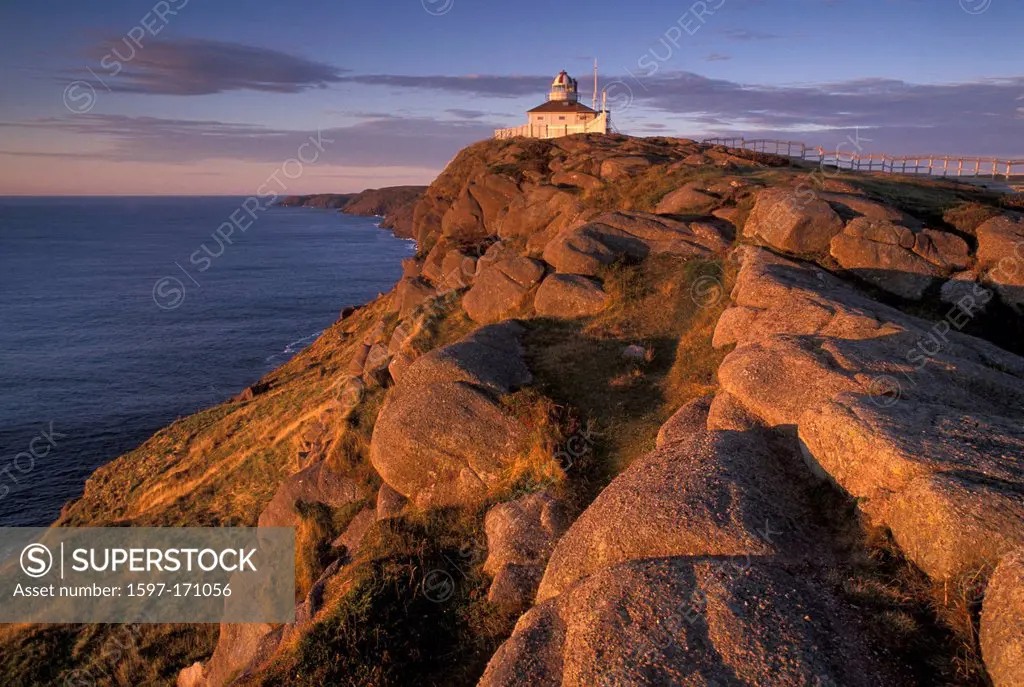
(501, 288)
(920, 423)
(570, 295)
(441, 437)
(520, 537)
(1002, 622)
(688, 621)
(584, 249)
(792, 222)
(701, 493)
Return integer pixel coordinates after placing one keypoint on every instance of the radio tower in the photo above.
(595, 84)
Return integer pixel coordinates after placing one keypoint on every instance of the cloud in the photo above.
(957, 118)
(467, 114)
(747, 36)
(499, 86)
(198, 66)
(717, 57)
(390, 141)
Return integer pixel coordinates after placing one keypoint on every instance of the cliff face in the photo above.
(640, 411)
(322, 201)
(394, 203)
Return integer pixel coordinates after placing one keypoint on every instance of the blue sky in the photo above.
(197, 96)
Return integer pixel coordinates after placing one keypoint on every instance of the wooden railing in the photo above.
(932, 165)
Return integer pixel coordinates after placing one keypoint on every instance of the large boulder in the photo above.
(700, 493)
(919, 423)
(617, 168)
(954, 501)
(316, 484)
(540, 212)
(576, 179)
(689, 621)
(464, 221)
(410, 294)
(502, 288)
(686, 199)
(898, 259)
(583, 249)
(850, 206)
(441, 437)
(1002, 622)
(490, 358)
(578, 251)
(493, 193)
(793, 222)
(1001, 256)
(520, 537)
(569, 296)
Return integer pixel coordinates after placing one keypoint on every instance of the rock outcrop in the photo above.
(569, 296)
(792, 222)
(520, 537)
(678, 573)
(688, 621)
(715, 557)
(441, 437)
(1002, 622)
(898, 259)
(918, 422)
(502, 288)
(586, 248)
(700, 493)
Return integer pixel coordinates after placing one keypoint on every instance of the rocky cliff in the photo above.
(639, 412)
(394, 203)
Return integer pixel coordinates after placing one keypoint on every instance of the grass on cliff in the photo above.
(220, 467)
(414, 611)
(667, 305)
(217, 467)
(108, 655)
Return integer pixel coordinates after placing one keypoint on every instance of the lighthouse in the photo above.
(562, 115)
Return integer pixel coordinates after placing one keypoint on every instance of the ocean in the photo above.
(119, 315)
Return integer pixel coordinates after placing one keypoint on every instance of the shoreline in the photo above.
(279, 356)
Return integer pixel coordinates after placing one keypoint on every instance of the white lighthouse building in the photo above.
(563, 114)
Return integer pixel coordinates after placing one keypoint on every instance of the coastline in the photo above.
(277, 361)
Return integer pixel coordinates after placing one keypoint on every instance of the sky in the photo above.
(215, 97)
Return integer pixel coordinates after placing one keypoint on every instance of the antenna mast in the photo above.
(595, 84)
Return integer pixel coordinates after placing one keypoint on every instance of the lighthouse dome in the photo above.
(564, 87)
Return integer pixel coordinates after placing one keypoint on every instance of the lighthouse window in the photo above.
(561, 119)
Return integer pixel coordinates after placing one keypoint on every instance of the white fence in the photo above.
(598, 125)
(932, 165)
